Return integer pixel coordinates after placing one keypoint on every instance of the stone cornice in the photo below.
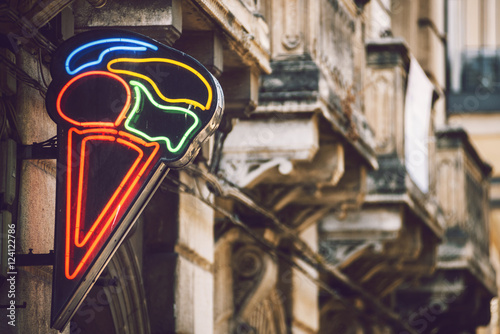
(239, 39)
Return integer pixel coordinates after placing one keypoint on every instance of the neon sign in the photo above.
(127, 108)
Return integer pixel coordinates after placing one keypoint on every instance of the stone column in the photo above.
(304, 293)
(35, 218)
(178, 262)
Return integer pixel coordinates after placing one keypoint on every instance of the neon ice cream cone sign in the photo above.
(127, 108)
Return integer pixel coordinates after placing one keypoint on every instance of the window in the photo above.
(473, 56)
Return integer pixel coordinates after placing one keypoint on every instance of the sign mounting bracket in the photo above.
(43, 150)
(30, 259)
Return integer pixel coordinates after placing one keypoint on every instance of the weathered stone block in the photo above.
(159, 19)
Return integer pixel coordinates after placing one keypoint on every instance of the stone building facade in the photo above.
(319, 206)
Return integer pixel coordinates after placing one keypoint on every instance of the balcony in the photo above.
(393, 237)
(464, 281)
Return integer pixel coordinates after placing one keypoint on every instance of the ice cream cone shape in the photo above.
(128, 108)
(100, 183)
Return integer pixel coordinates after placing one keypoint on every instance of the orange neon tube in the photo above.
(120, 204)
(121, 115)
(82, 243)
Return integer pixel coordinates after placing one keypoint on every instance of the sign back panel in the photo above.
(127, 109)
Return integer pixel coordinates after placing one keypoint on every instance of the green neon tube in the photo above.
(138, 87)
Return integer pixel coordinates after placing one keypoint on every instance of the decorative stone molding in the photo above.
(292, 24)
(255, 149)
(335, 44)
(380, 98)
(245, 276)
(387, 69)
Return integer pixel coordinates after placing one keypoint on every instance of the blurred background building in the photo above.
(346, 190)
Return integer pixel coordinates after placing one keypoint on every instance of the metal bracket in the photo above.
(30, 259)
(23, 305)
(43, 150)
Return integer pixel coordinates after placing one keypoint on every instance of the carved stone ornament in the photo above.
(258, 306)
(292, 37)
(291, 41)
